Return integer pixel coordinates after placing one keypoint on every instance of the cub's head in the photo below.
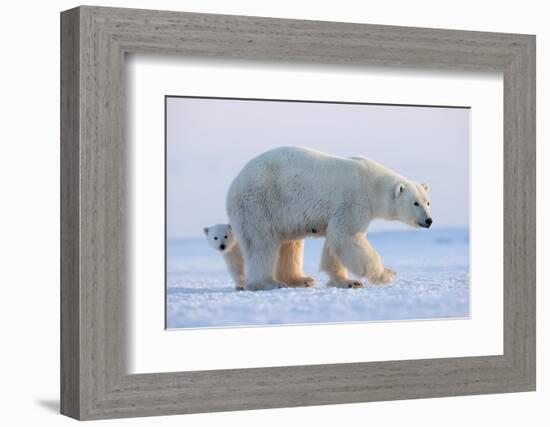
(411, 203)
(220, 237)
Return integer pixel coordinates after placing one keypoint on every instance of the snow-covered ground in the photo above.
(432, 282)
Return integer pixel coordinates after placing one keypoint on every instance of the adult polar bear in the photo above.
(289, 193)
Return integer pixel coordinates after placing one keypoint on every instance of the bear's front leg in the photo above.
(357, 254)
(337, 273)
(290, 265)
(376, 272)
(260, 259)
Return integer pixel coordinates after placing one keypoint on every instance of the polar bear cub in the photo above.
(220, 237)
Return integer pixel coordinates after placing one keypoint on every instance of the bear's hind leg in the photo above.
(290, 265)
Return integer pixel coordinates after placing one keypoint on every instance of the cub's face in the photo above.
(220, 237)
(412, 204)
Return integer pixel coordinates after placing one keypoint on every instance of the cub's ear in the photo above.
(229, 226)
(426, 187)
(205, 229)
(399, 188)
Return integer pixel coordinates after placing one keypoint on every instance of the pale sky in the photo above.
(210, 140)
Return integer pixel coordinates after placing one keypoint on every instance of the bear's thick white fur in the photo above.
(289, 193)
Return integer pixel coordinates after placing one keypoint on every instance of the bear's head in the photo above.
(220, 237)
(410, 203)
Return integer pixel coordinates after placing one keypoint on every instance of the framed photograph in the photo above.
(261, 213)
(207, 256)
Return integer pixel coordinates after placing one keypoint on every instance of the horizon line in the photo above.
(408, 230)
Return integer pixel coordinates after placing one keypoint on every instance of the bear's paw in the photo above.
(300, 282)
(386, 277)
(347, 284)
(266, 285)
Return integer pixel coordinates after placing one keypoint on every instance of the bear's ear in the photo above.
(205, 229)
(399, 188)
(426, 187)
(229, 226)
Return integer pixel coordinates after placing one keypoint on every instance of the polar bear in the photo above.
(220, 237)
(289, 193)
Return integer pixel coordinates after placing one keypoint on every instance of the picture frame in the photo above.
(94, 380)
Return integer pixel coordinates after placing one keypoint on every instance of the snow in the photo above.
(432, 283)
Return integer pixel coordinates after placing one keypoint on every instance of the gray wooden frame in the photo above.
(94, 382)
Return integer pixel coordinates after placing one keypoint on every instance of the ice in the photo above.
(432, 282)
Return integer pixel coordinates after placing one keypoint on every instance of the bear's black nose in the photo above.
(222, 247)
(429, 222)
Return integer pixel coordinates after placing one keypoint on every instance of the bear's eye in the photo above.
(428, 203)
(416, 204)
(216, 238)
(225, 237)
